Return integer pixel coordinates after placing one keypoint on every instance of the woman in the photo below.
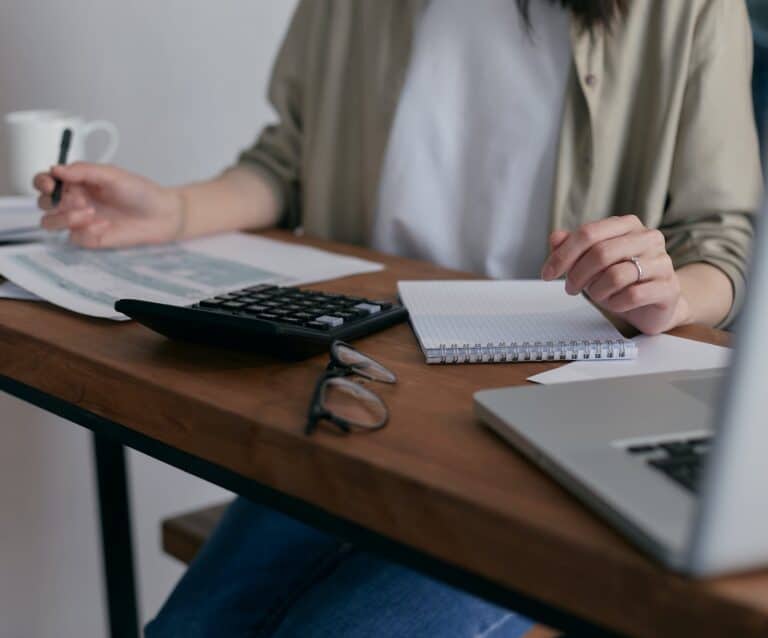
(463, 133)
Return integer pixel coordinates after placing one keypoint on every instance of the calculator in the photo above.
(285, 321)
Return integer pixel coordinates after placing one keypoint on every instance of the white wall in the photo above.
(185, 83)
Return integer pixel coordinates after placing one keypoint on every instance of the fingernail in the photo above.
(547, 273)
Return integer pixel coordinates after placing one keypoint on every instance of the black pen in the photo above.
(66, 139)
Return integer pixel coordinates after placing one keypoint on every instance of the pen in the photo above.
(66, 139)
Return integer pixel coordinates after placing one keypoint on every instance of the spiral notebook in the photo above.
(506, 321)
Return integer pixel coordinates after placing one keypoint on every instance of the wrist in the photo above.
(683, 314)
(177, 212)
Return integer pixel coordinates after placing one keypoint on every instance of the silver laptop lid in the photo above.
(731, 529)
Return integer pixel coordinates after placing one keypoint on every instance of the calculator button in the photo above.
(291, 320)
(268, 316)
(330, 320)
(233, 305)
(255, 309)
(210, 303)
(368, 308)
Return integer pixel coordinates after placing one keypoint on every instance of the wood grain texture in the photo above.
(183, 535)
(434, 479)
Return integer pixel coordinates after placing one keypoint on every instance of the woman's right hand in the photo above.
(105, 206)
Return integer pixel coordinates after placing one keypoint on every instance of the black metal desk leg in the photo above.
(117, 550)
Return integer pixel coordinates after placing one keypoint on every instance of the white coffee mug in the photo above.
(33, 138)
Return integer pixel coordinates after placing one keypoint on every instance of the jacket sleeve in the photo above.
(277, 152)
(716, 182)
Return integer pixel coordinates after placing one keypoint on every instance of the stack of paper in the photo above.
(90, 281)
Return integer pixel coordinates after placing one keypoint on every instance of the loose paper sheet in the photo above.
(9, 290)
(20, 212)
(90, 281)
(662, 353)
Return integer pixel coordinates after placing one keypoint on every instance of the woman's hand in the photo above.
(596, 259)
(105, 206)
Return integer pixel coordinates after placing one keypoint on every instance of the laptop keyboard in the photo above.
(680, 460)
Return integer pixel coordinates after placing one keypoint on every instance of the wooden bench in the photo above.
(184, 535)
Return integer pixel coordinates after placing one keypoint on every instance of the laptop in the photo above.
(678, 462)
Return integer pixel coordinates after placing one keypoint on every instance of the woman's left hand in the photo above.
(597, 260)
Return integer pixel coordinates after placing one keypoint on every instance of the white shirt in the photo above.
(469, 171)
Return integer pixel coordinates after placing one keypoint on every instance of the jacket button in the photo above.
(590, 79)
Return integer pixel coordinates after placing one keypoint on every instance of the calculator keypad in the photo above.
(295, 307)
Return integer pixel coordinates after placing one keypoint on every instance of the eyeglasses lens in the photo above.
(361, 364)
(353, 403)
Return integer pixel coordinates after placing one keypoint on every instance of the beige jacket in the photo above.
(658, 122)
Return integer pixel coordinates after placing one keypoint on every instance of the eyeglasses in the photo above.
(337, 399)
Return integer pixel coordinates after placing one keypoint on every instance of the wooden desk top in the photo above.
(434, 479)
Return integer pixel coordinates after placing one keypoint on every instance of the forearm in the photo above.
(239, 199)
(706, 294)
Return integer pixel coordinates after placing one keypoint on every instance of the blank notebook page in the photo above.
(533, 313)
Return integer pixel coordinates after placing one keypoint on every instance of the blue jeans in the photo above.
(263, 574)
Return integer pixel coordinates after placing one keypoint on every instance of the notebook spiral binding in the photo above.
(532, 351)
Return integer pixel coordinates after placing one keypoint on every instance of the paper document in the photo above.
(18, 213)
(90, 281)
(661, 353)
(9, 290)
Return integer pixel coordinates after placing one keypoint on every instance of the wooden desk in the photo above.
(435, 489)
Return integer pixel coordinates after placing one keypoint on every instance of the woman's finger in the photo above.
(556, 238)
(619, 276)
(578, 242)
(74, 198)
(648, 243)
(44, 203)
(85, 173)
(91, 236)
(644, 294)
(71, 199)
(43, 183)
(68, 220)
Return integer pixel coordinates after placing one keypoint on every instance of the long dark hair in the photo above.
(592, 13)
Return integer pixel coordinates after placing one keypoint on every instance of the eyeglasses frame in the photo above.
(337, 369)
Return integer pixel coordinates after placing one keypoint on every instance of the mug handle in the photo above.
(111, 131)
